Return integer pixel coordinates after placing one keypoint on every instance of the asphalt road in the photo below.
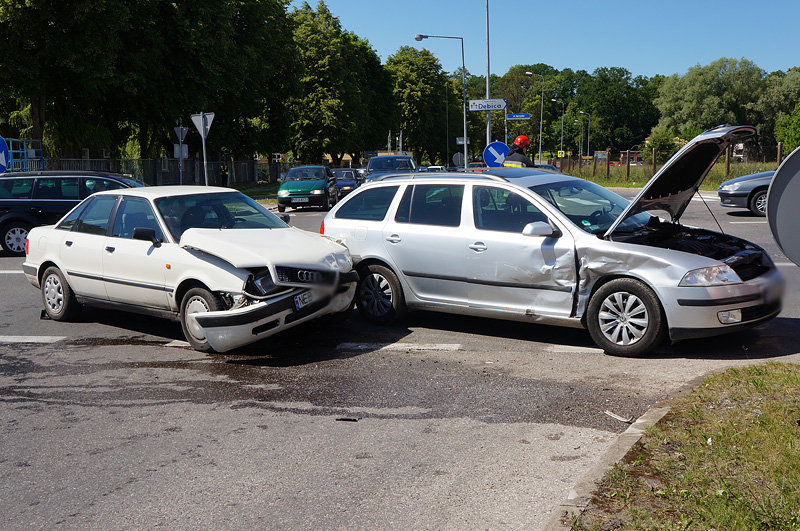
(441, 421)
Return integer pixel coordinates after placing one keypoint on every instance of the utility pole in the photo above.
(488, 74)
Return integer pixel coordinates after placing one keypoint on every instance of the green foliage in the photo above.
(665, 143)
(787, 130)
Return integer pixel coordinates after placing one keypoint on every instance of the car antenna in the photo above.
(709, 211)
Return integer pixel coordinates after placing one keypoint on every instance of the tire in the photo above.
(758, 203)
(197, 300)
(281, 208)
(57, 297)
(379, 296)
(327, 205)
(624, 318)
(13, 237)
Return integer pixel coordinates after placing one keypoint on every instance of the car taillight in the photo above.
(322, 227)
(27, 246)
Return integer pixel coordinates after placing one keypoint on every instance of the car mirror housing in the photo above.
(146, 234)
(540, 228)
(284, 218)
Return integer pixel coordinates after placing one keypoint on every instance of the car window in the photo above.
(431, 204)
(94, 219)
(57, 188)
(134, 212)
(371, 204)
(98, 184)
(68, 222)
(230, 210)
(16, 188)
(502, 210)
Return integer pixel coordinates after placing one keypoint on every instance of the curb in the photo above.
(581, 494)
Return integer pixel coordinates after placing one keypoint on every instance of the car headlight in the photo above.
(283, 193)
(346, 187)
(710, 276)
(730, 187)
(317, 192)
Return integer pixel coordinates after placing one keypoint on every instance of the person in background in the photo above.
(516, 155)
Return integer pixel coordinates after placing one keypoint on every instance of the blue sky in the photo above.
(646, 37)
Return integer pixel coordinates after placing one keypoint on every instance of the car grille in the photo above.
(298, 275)
(754, 313)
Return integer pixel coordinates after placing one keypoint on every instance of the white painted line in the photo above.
(785, 264)
(756, 222)
(5, 272)
(398, 346)
(31, 339)
(178, 344)
(570, 348)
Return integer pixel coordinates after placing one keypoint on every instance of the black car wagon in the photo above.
(30, 199)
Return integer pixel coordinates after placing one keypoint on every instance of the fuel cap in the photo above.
(783, 206)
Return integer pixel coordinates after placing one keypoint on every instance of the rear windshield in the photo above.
(392, 163)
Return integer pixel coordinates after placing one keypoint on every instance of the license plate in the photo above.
(303, 299)
(299, 200)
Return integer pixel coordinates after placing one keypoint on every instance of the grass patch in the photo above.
(258, 189)
(639, 175)
(726, 456)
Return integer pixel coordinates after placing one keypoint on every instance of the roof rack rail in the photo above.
(437, 175)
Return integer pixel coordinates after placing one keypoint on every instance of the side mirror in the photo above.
(540, 228)
(284, 218)
(146, 234)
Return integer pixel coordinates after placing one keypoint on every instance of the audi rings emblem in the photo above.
(309, 276)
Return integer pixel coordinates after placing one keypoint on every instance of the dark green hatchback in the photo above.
(307, 186)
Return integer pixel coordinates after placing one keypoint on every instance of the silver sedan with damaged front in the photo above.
(224, 266)
(533, 246)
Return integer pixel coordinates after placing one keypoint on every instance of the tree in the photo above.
(419, 86)
(787, 130)
(707, 96)
(776, 101)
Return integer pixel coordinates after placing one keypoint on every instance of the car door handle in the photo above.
(68, 243)
(35, 210)
(110, 249)
(394, 238)
(478, 247)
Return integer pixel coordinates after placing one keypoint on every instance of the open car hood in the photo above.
(673, 186)
(247, 248)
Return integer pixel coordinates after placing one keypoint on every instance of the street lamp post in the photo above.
(588, 129)
(580, 144)
(562, 122)
(541, 114)
(419, 37)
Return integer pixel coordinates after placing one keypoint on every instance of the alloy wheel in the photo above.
(623, 318)
(376, 295)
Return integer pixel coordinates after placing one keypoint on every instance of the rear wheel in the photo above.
(379, 295)
(624, 318)
(57, 297)
(281, 208)
(758, 203)
(197, 300)
(13, 237)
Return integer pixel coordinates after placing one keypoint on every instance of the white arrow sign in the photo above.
(498, 156)
(3, 161)
(487, 105)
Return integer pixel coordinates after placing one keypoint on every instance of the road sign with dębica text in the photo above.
(487, 105)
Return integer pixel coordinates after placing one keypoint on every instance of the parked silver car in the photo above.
(534, 246)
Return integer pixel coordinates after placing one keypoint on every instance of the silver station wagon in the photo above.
(533, 246)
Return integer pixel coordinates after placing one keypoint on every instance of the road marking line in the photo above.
(31, 339)
(5, 272)
(758, 222)
(398, 346)
(785, 264)
(570, 348)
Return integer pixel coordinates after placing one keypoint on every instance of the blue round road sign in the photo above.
(494, 154)
(4, 155)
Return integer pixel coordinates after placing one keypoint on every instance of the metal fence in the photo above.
(163, 171)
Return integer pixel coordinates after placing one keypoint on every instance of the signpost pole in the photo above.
(205, 158)
(202, 122)
(488, 75)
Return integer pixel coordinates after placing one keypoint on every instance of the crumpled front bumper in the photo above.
(229, 329)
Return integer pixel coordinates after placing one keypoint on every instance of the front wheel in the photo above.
(197, 300)
(624, 318)
(758, 203)
(13, 237)
(57, 297)
(379, 296)
(281, 208)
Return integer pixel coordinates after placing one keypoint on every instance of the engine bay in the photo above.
(747, 259)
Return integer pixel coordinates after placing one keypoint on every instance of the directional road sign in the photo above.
(458, 159)
(460, 140)
(561, 154)
(519, 116)
(5, 157)
(494, 154)
(487, 105)
(181, 131)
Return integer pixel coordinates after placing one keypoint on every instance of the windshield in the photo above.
(306, 174)
(228, 210)
(344, 175)
(589, 206)
(391, 163)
